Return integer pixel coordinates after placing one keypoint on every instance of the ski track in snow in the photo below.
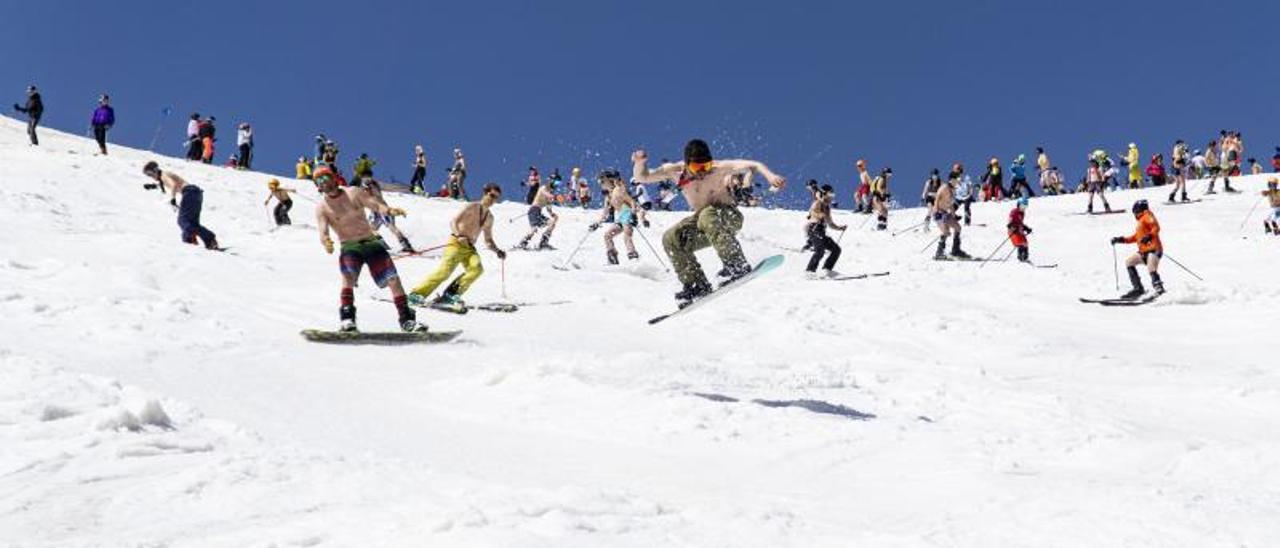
(946, 404)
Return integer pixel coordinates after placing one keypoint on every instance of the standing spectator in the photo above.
(244, 142)
(419, 170)
(103, 118)
(303, 169)
(458, 176)
(1275, 161)
(1254, 167)
(1042, 161)
(206, 132)
(194, 151)
(34, 109)
(1155, 170)
(362, 170)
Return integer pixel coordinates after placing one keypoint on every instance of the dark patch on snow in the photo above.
(814, 406)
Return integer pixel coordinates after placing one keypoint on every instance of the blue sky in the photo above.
(807, 87)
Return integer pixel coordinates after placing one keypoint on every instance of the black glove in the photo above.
(1145, 239)
(502, 255)
(149, 186)
(645, 223)
(173, 202)
(17, 107)
(1117, 240)
(593, 226)
(1026, 229)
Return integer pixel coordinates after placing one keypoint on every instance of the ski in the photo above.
(1186, 202)
(486, 307)
(1145, 299)
(856, 276)
(763, 267)
(1034, 265)
(964, 259)
(1112, 212)
(378, 337)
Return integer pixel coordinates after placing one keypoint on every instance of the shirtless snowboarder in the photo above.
(541, 215)
(188, 209)
(342, 210)
(465, 229)
(716, 219)
(284, 201)
(625, 212)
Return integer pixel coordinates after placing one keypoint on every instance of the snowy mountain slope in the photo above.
(946, 404)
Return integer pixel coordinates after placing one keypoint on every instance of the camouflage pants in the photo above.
(712, 226)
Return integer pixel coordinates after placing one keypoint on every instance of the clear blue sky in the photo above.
(806, 87)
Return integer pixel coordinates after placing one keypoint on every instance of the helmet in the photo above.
(1140, 206)
(1021, 158)
(322, 171)
(1133, 145)
(1023, 202)
(273, 184)
(576, 170)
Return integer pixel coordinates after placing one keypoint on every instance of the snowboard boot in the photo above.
(347, 318)
(611, 256)
(734, 272)
(409, 321)
(631, 255)
(1137, 290)
(955, 248)
(941, 253)
(404, 245)
(692, 292)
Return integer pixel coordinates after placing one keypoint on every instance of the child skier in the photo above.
(816, 228)
(1150, 250)
(466, 228)
(1018, 230)
(285, 203)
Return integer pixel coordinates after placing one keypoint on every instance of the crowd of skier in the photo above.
(354, 209)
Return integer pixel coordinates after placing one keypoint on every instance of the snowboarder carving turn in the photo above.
(188, 209)
(715, 220)
(342, 210)
(1150, 250)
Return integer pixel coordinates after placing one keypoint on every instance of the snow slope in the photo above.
(153, 393)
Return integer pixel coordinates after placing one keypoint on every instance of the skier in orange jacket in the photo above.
(1150, 250)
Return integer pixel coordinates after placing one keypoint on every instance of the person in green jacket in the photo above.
(362, 170)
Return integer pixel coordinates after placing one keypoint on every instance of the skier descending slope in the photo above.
(379, 220)
(1150, 250)
(285, 202)
(342, 210)
(539, 211)
(861, 198)
(944, 213)
(1096, 185)
(880, 198)
(816, 228)
(465, 228)
(1018, 230)
(190, 207)
(716, 219)
(625, 212)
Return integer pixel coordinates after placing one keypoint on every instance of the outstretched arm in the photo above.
(777, 182)
(641, 173)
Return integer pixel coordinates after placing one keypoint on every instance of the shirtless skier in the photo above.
(625, 212)
(465, 229)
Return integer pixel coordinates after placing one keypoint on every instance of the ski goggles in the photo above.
(699, 168)
(323, 178)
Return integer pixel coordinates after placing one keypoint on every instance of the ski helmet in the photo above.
(273, 184)
(1133, 145)
(1022, 158)
(697, 152)
(1140, 206)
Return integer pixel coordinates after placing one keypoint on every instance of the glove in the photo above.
(593, 226)
(395, 212)
(1145, 239)
(173, 202)
(502, 255)
(328, 246)
(645, 223)
(149, 186)
(1117, 240)
(1026, 229)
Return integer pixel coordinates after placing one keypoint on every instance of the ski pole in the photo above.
(1180, 265)
(652, 250)
(421, 251)
(1115, 265)
(1251, 210)
(503, 270)
(909, 229)
(993, 252)
(565, 266)
(513, 219)
(928, 245)
(841, 238)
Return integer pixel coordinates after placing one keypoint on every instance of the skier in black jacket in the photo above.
(33, 110)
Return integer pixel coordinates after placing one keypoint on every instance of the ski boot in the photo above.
(829, 273)
(692, 292)
(347, 318)
(545, 243)
(633, 256)
(1107, 206)
(1089, 209)
(1133, 294)
(956, 252)
(1184, 196)
(611, 256)
(941, 253)
(449, 302)
(1171, 196)
(409, 321)
(415, 299)
(1157, 284)
(1134, 280)
(404, 245)
(524, 244)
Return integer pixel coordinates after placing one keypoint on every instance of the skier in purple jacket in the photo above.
(103, 118)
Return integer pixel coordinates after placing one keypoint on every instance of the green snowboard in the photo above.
(378, 337)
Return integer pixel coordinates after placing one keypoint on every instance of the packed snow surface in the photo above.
(154, 393)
